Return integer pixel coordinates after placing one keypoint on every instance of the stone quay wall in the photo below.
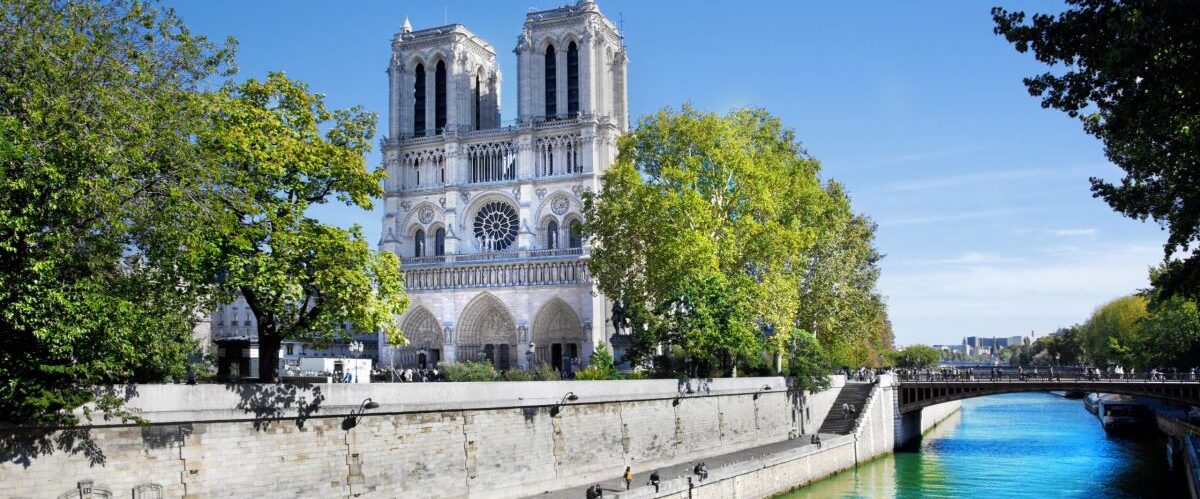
(424, 439)
(776, 473)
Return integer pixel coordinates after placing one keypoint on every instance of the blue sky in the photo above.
(981, 195)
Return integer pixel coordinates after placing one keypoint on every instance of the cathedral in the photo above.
(486, 218)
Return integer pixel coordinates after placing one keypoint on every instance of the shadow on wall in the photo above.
(268, 402)
(22, 444)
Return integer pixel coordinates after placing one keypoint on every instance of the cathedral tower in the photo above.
(486, 218)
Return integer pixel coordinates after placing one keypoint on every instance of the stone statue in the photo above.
(618, 315)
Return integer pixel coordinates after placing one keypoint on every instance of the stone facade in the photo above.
(485, 217)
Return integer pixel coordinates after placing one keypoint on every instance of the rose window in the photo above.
(496, 226)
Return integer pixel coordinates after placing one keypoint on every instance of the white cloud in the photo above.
(1072, 232)
(1010, 295)
(955, 217)
(943, 182)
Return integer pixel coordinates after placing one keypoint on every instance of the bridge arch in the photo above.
(914, 395)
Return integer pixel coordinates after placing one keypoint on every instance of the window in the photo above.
(572, 79)
(439, 93)
(552, 235)
(439, 242)
(289, 348)
(576, 236)
(496, 226)
(419, 243)
(419, 102)
(477, 100)
(551, 83)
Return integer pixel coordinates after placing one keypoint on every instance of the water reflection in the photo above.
(1014, 445)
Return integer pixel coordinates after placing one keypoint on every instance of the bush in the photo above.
(469, 371)
(600, 366)
(545, 372)
(516, 375)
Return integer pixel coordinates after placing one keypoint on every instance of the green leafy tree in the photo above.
(1172, 334)
(808, 363)
(916, 357)
(302, 279)
(1113, 330)
(1130, 71)
(99, 104)
(600, 366)
(703, 228)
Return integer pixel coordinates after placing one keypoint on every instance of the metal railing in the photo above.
(469, 131)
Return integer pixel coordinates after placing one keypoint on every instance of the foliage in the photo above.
(1172, 334)
(1114, 329)
(468, 371)
(1131, 74)
(600, 366)
(302, 279)
(704, 230)
(98, 105)
(916, 357)
(838, 298)
(543, 371)
(807, 362)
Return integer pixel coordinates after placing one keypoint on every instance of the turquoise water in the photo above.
(1015, 445)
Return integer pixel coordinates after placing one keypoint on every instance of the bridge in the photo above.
(915, 393)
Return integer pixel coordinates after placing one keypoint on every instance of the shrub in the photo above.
(516, 375)
(469, 371)
(600, 366)
(545, 372)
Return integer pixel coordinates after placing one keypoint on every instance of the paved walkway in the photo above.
(615, 487)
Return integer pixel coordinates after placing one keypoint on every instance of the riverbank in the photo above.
(770, 470)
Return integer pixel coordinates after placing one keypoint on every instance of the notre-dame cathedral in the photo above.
(486, 217)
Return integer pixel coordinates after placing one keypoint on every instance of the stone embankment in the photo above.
(452, 440)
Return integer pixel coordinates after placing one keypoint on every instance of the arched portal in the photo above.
(556, 333)
(424, 334)
(487, 331)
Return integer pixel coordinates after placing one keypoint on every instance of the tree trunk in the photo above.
(268, 355)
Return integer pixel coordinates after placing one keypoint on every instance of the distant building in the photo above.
(234, 331)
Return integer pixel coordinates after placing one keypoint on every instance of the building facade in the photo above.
(485, 216)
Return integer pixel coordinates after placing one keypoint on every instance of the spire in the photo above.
(406, 27)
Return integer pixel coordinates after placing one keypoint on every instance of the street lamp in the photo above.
(765, 388)
(352, 420)
(570, 396)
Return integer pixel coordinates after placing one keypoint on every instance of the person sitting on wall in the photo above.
(816, 440)
(654, 480)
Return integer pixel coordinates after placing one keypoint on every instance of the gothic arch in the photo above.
(546, 208)
(556, 322)
(485, 320)
(421, 328)
(478, 203)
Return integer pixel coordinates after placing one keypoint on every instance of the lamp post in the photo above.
(352, 420)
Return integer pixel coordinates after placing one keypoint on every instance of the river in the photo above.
(1015, 445)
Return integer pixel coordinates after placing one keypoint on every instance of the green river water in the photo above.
(1023, 445)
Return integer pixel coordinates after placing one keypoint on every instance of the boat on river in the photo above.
(1121, 412)
(1091, 402)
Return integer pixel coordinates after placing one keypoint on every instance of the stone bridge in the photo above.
(916, 394)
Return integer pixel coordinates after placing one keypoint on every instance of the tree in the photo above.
(1172, 334)
(1131, 74)
(808, 363)
(301, 279)
(916, 357)
(703, 228)
(600, 365)
(98, 284)
(1113, 331)
(838, 298)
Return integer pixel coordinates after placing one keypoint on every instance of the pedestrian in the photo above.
(816, 439)
(628, 477)
(852, 411)
(703, 471)
(845, 410)
(654, 480)
(591, 492)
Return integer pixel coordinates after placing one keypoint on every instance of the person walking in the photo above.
(628, 477)
(654, 480)
(845, 410)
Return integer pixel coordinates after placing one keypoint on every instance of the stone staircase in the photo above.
(853, 393)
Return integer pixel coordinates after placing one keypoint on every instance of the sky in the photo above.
(985, 215)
